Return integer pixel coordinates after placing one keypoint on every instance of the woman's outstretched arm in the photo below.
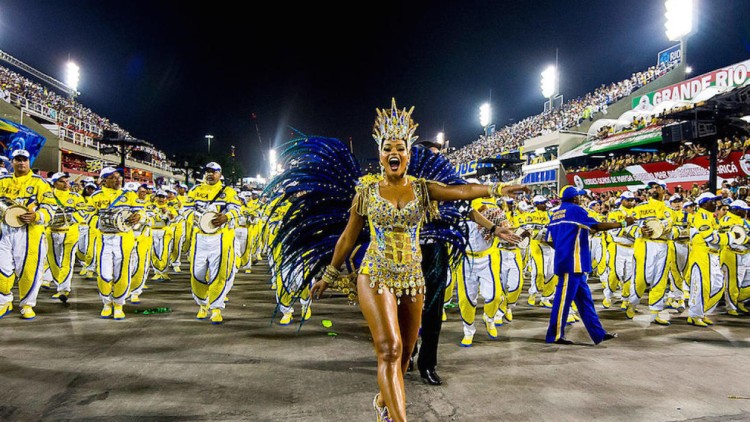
(440, 192)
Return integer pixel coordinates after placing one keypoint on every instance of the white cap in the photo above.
(21, 152)
(57, 176)
(688, 204)
(4, 158)
(675, 198)
(90, 185)
(524, 206)
(738, 204)
(592, 203)
(88, 179)
(627, 195)
(132, 186)
(169, 189)
(539, 199)
(106, 172)
(182, 185)
(213, 166)
(705, 197)
(160, 192)
(618, 201)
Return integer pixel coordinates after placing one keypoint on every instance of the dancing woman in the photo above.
(390, 283)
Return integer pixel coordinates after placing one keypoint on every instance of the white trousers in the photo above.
(479, 279)
(58, 247)
(623, 267)
(21, 261)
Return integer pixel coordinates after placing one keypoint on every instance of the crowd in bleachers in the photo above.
(685, 152)
(65, 111)
(571, 114)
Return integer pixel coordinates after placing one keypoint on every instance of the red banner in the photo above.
(673, 174)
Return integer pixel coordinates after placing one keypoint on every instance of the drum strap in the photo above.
(115, 201)
(215, 197)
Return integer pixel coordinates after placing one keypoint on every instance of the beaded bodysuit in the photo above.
(393, 259)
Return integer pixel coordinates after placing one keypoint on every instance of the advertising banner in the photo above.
(727, 77)
(673, 174)
(669, 56)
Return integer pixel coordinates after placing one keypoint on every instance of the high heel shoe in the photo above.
(381, 412)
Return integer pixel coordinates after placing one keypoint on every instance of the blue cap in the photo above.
(570, 192)
(657, 183)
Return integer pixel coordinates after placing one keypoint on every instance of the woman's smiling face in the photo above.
(394, 157)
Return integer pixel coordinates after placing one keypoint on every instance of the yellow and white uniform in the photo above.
(678, 265)
(23, 249)
(620, 273)
(115, 252)
(511, 270)
(242, 237)
(479, 274)
(67, 210)
(651, 256)
(704, 264)
(142, 259)
(253, 207)
(178, 231)
(89, 239)
(275, 213)
(597, 246)
(211, 255)
(162, 236)
(735, 264)
(542, 260)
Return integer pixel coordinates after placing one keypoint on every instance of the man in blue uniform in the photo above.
(569, 229)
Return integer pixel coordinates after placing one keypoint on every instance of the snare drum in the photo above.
(61, 220)
(205, 224)
(738, 234)
(10, 212)
(114, 220)
(657, 228)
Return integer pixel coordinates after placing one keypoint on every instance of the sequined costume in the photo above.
(393, 259)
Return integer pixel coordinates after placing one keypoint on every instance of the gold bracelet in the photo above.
(331, 275)
(496, 191)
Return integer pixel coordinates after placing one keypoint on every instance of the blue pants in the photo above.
(573, 288)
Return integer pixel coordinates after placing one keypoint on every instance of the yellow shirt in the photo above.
(71, 202)
(200, 198)
(106, 198)
(704, 235)
(29, 191)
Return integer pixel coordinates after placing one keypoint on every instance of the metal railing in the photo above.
(79, 134)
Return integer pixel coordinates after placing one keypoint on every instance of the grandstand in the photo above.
(71, 130)
(575, 113)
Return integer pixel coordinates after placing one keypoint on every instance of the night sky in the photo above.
(170, 74)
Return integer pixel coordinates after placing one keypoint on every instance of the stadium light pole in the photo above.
(679, 23)
(72, 77)
(208, 138)
(272, 162)
(485, 116)
(549, 84)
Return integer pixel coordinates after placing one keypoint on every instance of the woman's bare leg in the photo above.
(409, 321)
(381, 313)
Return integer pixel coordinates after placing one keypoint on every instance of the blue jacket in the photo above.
(569, 231)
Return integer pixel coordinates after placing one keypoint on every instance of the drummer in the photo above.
(117, 242)
(22, 244)
(162, 234)
(651, 255)
(67, 210)
(211, 250)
